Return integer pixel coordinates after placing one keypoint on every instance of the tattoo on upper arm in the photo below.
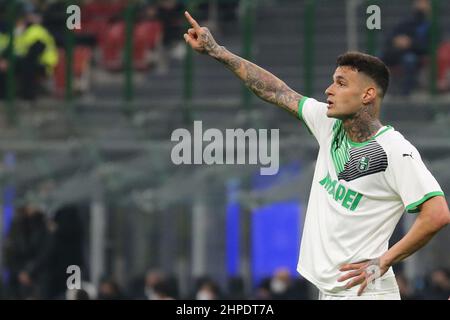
(255, 81)
(270, 88)
(287, 97)
(264, 84)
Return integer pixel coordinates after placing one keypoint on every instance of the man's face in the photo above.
(346, 93)
(423, 6)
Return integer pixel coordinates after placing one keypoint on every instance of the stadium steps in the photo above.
(278, 47)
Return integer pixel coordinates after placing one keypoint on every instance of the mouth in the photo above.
(330, 104)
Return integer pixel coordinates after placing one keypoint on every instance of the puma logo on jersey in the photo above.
(408, 155)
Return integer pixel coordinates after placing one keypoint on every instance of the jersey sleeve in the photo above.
(314, 114)
(410, 178)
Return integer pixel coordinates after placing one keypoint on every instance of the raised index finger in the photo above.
(192, 21)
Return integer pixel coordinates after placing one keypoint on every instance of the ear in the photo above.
(369, 95)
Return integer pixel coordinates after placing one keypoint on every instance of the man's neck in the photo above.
(362, 126)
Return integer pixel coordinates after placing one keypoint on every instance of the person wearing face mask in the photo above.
(408, 45)
(280, 284)
(207, 289)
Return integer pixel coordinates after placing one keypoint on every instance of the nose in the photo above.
(328, 91)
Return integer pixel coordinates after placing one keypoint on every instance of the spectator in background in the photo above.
(62, 249)
(37, 54)
(159, 286)
(35, 51)
(280, 283)
(152, 279)
(88, 291)
(263, 291)
(170, 13)
(23, 249)
(4, 42)
(65, 249)
(408, 45)
(109, 290)
(80, 294)
(438, 285)
(205, 288)
(54, 19)
(162, 291)
(284, 287)
(405, 287)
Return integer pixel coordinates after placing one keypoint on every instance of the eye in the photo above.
(341, 84)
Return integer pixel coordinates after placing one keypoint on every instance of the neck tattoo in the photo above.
(362, 125)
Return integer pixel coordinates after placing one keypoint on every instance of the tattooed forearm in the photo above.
(233, 63)
(264, 84)
(210, 45)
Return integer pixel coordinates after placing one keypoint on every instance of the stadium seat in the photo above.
(82, 58)
(444, 66)
(96, 28)
(96, 17)
(111, 47)
(145, 37)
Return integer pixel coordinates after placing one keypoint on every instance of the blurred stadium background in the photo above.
(86, 174)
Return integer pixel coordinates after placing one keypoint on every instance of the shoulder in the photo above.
(312, 102)
(314, 114)
(396, 145)
(310, 106)
(37, 30)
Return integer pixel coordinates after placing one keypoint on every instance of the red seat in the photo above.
(111, 46)
(82, 60)
(59, 74)
(444, 66)
(96, 16)
(95, 27)
(146, 36)
(107, 9)
(82, 57)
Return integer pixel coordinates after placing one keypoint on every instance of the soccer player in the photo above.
(367, 174)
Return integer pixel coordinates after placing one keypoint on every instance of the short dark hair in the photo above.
(371, 66)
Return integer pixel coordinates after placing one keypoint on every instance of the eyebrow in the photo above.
(339, 78)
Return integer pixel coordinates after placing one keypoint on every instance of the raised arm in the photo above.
(264, 84)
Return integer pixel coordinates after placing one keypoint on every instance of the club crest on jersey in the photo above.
(363, 164)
